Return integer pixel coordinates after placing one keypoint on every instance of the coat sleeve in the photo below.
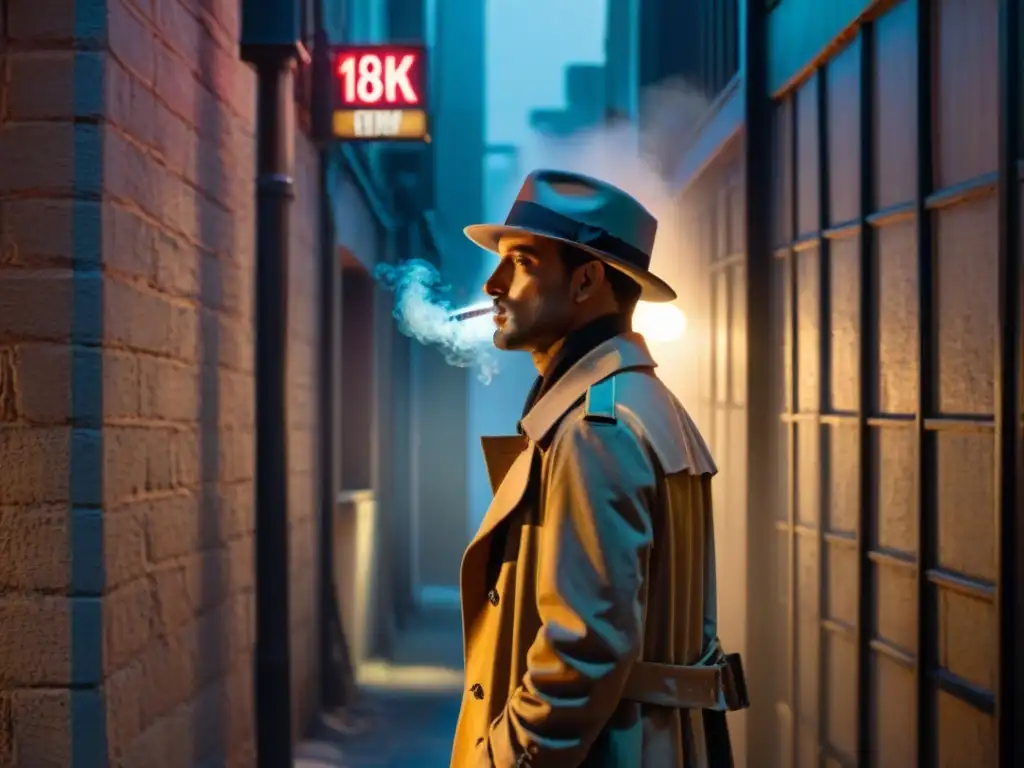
(594, 544)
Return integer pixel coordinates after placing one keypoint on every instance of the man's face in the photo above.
(532, 294)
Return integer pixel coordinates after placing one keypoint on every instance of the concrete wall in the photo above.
(126, 392)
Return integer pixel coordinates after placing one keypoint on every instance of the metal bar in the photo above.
(824, 431)
(762, 364)
(1008, 710)
(927, 620)
(868, 336)
(274, 194)
(794, 407)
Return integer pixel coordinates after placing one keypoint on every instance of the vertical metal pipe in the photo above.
(762, 414)
(823, 431)
(274, 194)
(868, 376)
(1008, 389)
(927, 624)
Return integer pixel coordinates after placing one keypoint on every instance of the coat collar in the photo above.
(512, 478)
(627, 350)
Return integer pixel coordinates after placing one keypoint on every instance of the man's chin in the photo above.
(505, 341)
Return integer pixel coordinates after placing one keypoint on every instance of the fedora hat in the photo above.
(588, 213)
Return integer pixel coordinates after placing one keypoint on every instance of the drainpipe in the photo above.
(270, 31)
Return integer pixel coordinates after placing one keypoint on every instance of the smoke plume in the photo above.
(638, 160)
(424, 314)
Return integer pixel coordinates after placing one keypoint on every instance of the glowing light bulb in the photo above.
(659, 322)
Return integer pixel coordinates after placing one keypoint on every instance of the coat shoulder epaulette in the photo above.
(599, 405)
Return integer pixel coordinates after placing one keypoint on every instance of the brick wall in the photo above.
(126, 393)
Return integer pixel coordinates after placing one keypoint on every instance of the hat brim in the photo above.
(652, 287)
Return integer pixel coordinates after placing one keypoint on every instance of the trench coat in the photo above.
(588, 592)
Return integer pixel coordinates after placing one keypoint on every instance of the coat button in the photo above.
(493, 596)
(477, 690)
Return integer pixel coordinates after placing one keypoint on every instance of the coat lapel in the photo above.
(510, 491)
(500, 452)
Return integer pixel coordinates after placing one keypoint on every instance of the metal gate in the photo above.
(899, 310)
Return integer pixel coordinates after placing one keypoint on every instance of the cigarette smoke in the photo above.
(424, 314)
(638, 161)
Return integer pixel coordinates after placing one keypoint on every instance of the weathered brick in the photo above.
(237, 510)
(35, 641)
(44, 383)
(43, 20)
(140, 459)
(171, 527)
(38, 231)
(35, 304)
(127, 622)
(41, 456)
(121, 385)
(8, 386)
(6, 724)
(241, 553)
(169, 389)
(41, 85)
(237, 455)
(186, 460)
(131, 104)
(126, 693)
(235, 338)
(237, 400)
(176, 141)
(128, 241)
(215, 226)
(213, 628)
(180, 29)
(128, 173)
(175, 83)
(209, 578)
(177, 270)
(142, 319)
(21, 146)
(171, 598)
(42, 727)
(37, 554)
(179, 205)
(167, 743)
(131, 39)
(124, 543)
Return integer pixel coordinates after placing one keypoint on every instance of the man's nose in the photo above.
(497, 283)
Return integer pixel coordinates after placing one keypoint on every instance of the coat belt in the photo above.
(720, 686)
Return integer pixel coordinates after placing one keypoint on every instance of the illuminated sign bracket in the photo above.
(370, 93)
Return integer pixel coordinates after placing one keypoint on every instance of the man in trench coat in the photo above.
(588, 593)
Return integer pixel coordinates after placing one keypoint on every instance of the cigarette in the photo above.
(476, 310)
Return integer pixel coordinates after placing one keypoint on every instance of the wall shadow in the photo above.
(210, 718)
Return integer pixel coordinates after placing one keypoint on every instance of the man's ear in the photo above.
(589, 279)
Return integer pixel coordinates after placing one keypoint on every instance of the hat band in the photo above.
(544, 221)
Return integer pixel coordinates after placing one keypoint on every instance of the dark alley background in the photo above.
(838, 187)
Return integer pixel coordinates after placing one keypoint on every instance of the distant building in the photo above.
(585, 103)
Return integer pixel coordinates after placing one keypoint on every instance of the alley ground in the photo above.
(411, 703)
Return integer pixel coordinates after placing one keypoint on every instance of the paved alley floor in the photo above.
(408, 709)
